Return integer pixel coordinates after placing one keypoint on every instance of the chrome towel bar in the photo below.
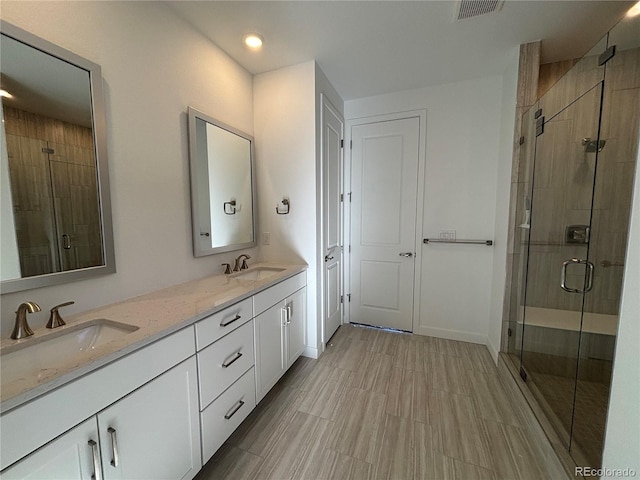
(474, 242)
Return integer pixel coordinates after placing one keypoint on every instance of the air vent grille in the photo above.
(474, 8)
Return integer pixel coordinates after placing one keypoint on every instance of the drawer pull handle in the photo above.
(224, 324)
(234, 410)
(234, 359)
(97, 468)
(114, 447)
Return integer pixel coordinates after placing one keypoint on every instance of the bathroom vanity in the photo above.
(158, 401)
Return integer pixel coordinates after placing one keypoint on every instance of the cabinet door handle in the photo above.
(289, 313)
(233, 411)
(97, 467)
(114, 447)
(234, 359)
(285, 316)
(224, 324)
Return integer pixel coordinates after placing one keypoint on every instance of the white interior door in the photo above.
(384, 182)
(332, 128)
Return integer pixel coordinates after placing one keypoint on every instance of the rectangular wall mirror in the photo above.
(56, 210)
(222, 186)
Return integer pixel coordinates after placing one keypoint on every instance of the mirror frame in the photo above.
(198, 251)
(100, 149)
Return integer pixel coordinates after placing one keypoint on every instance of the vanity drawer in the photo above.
(222, 417)
(272, 295)
(209, 329)
(235, 351)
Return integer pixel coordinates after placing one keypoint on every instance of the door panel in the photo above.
(68, 457)
(383, 222)
(558, 272)
(332, 128)
(166, 406)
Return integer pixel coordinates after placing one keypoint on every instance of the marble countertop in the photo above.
(156, 314)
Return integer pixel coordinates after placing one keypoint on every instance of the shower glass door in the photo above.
(559, 272)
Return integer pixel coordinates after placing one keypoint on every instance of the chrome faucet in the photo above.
(244, 257)
(21, 328)
(55, 320)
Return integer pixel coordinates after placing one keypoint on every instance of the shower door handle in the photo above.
(563, 276)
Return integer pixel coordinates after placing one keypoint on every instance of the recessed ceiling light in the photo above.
(634, 11)
(5, 94)
(253, 41)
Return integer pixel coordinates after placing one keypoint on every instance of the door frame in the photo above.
(325, 101)
(421, 114)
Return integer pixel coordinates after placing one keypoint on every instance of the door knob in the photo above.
(406, 254)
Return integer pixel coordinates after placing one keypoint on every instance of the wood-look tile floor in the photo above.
(386, 405)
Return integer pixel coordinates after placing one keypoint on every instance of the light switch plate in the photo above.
(266, 238)
(447, 234)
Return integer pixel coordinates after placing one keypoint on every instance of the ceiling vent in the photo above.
(473, 8)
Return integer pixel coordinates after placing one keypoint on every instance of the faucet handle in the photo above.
(227, 268)
(55, 320)
(244, 262)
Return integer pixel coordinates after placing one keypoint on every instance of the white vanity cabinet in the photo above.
(150, 401)
(152, 433)
(279, 330)
(70, 456)
(225, 373)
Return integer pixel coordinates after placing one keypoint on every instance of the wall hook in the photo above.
(285, 202)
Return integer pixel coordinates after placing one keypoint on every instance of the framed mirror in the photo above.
(222, 186)
(55, 205)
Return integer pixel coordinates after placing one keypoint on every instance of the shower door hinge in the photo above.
(607, 55)
(523, 374)
(539, 126)
(48, 150)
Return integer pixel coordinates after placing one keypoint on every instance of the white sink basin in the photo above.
(37, 356)
(258, 273)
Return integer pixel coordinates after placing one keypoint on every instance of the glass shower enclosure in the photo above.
(574, 194)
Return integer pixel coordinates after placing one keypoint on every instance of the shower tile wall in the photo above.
(614, 179)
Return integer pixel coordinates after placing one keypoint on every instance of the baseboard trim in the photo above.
(311, 352)
(451, 334)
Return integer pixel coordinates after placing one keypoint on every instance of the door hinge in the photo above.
(349, 297)
(349, 248)
(521, 141)
(509, 332)
(47, 150)
(342, 143)
(342, 197)
(341, 298)
(351, 144)
(607, 55)
(349, 196)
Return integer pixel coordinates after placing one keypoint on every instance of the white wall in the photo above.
(462, 150)
(154, 65)
(503, 190)
(284, 125)
(622, 439)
